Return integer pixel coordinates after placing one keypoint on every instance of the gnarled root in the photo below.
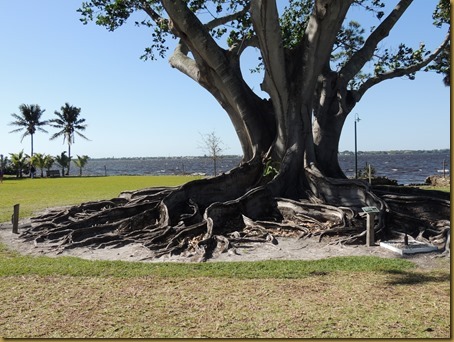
(204, 218)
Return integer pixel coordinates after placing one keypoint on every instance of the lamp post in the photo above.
(356, 146)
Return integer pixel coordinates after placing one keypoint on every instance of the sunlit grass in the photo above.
(339, 297)
(11, 264)
(37, 194)
(438, 188)
(337, 304)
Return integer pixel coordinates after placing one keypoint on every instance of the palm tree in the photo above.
(48, 162)
(64, 161)
(81, 162)
(29, 120)
(39, 160)
(69, 124)
(18, 160)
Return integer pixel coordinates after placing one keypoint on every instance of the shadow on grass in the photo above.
(412, 278)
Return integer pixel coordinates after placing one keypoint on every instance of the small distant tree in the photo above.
(3, 165)
(18, 162)
(48, 161)
(213, 147)
(38, 160)
(80, 162)
(63, 161)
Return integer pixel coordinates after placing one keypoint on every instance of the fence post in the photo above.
(15, 219)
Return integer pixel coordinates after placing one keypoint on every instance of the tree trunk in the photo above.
(31, 147)
(331, 110)
(69, 158)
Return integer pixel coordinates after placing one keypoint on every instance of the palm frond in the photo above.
(82, 136)
(56, 135)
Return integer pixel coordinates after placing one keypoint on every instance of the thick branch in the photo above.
(236, 49)
(211, 66)
(401, 72)
(266, 23)
(362, 56)
(319, 38)
(188, 27)
(180, 61)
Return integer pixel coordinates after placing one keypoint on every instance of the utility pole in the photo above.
(356, 146)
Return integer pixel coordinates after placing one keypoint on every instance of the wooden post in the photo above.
(370, 234)
(15, 219)
(444, 165)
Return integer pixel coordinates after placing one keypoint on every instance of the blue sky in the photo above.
(137, 108)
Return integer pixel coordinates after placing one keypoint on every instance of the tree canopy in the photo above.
(301, 45)
(230, 25)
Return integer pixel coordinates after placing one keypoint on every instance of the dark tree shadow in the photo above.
(412, 278)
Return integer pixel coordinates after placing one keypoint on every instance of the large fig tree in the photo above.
(314, 67)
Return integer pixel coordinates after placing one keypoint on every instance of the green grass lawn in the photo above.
(294, 300)
(37, 194)
(340, 297)
(438, 188)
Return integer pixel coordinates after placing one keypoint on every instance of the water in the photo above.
(406, 168)
(158, 166)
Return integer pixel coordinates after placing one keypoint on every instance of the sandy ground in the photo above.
(286, 249)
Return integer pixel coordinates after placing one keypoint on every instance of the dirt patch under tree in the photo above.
(284, 248)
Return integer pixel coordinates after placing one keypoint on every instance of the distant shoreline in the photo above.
(341, 153)
(445, 150)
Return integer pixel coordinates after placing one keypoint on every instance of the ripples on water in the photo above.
(406, 168)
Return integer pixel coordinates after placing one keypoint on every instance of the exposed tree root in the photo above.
(202, 219)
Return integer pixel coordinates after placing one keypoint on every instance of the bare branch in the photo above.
(226, 19)
(362, 56)
(402, 71)
(152, 13)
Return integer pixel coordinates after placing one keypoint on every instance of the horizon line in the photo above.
(239, 155)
